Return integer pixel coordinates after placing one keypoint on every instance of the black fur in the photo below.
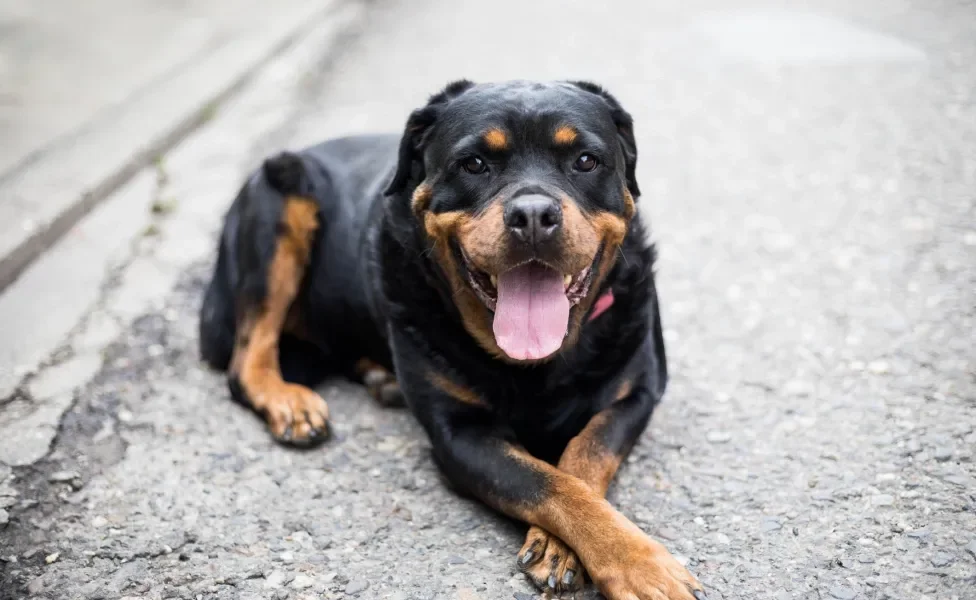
(373, 289)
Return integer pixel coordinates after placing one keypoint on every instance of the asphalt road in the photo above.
(809, 176)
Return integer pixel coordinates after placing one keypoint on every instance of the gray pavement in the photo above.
(809, 178)
(65, 64)
(92, 91)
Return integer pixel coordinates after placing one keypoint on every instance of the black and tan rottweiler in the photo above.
(490, 268)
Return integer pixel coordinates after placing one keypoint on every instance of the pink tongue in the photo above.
(532, 312)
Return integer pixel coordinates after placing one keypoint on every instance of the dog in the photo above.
(490, 268)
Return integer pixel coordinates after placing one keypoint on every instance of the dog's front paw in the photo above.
(549, 563)
(640, 568)
(295, 414)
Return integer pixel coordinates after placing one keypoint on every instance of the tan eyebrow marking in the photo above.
(495, 139)
(565, 135)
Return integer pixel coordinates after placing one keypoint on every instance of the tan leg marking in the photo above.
(545, 558)
(295, 414)
(622, 560)
(552, 564)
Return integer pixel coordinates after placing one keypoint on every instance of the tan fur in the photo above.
(565, 135)
(454, 390)
(421, 198)
(495, 139)
(380, 383)
(581, 236)
(440, 228)
(482, 236)
(255, 361)
(588, 459)
(626, 387)
(622, 560)
(584, 234)
(610, 228)
(365, 366)
(630, 207)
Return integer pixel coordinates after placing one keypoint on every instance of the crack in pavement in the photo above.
(88, 429)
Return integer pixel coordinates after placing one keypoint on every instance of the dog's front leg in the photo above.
(485, 461)
(593, 456)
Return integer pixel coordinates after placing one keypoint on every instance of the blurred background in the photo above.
(808, 172)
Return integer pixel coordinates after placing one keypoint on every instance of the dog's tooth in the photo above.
(568, 279)
(494, 280)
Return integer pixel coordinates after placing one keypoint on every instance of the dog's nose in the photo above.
(533, 219)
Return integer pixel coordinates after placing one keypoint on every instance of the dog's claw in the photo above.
(568, 577)
(551, 582)
(526, 558)
(699, 595)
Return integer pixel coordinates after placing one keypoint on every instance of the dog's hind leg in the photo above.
(380, 383)
(280, 221)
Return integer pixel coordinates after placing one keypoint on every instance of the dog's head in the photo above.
(524, 193)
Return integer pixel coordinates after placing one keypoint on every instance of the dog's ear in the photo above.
(410, 164)
(625, 132)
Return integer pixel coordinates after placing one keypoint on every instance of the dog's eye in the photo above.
(585, 163)
(474, 165)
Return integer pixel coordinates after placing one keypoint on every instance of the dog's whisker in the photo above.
(623, 256)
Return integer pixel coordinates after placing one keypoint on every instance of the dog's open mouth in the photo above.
(531, 303)
(486, 286)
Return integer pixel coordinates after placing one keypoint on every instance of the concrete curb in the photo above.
(77, 175)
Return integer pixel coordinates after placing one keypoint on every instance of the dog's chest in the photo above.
(545, 421)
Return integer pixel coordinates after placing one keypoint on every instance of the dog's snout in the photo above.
(533, 219)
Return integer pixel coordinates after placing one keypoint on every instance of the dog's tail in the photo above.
(287, 174)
